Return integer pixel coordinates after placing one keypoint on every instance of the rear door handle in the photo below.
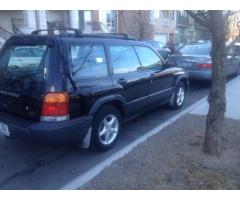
(122, 81)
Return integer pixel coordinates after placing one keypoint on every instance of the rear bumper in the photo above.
(200, 74)
(47, 132)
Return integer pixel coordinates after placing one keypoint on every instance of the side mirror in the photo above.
(165, 63)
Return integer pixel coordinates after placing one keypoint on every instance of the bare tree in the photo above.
(215, 21)
(136, 23)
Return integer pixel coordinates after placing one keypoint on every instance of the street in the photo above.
(34, 166)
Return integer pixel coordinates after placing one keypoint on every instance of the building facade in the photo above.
(177, 26)
(164, 25)
(18, 22)
(160, 25)
(136, 23)
(187, 30)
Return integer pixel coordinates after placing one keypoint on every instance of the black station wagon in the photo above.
(81, 88)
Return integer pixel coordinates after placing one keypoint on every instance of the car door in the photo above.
(89, 69)
(129, 79)
(161, 79)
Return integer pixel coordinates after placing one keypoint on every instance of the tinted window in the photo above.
(22, 57)
(236, 49)
(124, 59)
(37, 52)
(88, 60)
(198, 49)
(20, 70)
(148, 58)
(21, 52)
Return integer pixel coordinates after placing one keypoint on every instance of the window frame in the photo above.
(153, 50)
(87, 43)
(110, 61)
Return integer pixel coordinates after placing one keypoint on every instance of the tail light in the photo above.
(205, 65)
(55, 107)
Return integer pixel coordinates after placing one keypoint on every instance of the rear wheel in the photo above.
(179, 96)
(107, 126)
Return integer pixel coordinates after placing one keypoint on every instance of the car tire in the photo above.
(106, 128)
(178, 96)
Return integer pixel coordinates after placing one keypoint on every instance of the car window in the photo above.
(198, 49)
(21, 52)
(19, 72)
(88, 60)
(124, 59)
(148, 58)
(22, 57)
(37, 52)
(236, 50)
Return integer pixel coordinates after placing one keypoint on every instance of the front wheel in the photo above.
(178, 96)
(107, 126)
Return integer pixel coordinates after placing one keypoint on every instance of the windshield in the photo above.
(196, 49)
(22, 67)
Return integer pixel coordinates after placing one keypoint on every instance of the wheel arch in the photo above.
(183, 79)
(117, 101)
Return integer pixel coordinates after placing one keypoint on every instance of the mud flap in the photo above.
(87, 140)
(172, 98)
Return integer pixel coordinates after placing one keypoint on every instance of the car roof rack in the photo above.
(108, 35)
(79, 33)
(51, 31)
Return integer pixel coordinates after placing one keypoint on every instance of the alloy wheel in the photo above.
(180, 96)
(108, 129)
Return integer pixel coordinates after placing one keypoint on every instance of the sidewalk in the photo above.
(173, 158)
(232, 98)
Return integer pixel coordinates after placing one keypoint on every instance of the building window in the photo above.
(165, 14)
(111, 20)
(172, 15)
(87, 20)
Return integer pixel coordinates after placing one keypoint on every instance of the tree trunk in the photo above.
(216, 98)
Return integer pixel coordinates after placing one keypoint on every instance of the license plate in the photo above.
(4, 129)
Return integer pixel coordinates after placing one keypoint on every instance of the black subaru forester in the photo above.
(81, 88)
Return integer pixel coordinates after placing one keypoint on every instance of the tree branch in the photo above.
(198, 19)
(233, 42)
(237, 38)
(228, 14)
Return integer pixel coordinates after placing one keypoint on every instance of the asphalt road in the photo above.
(33, 166)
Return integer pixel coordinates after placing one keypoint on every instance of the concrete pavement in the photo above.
(232, 98)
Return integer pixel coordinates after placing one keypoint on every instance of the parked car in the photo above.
(83, 87)
(1, 44)
(236, 49)
(195, 59)
(161, 49)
